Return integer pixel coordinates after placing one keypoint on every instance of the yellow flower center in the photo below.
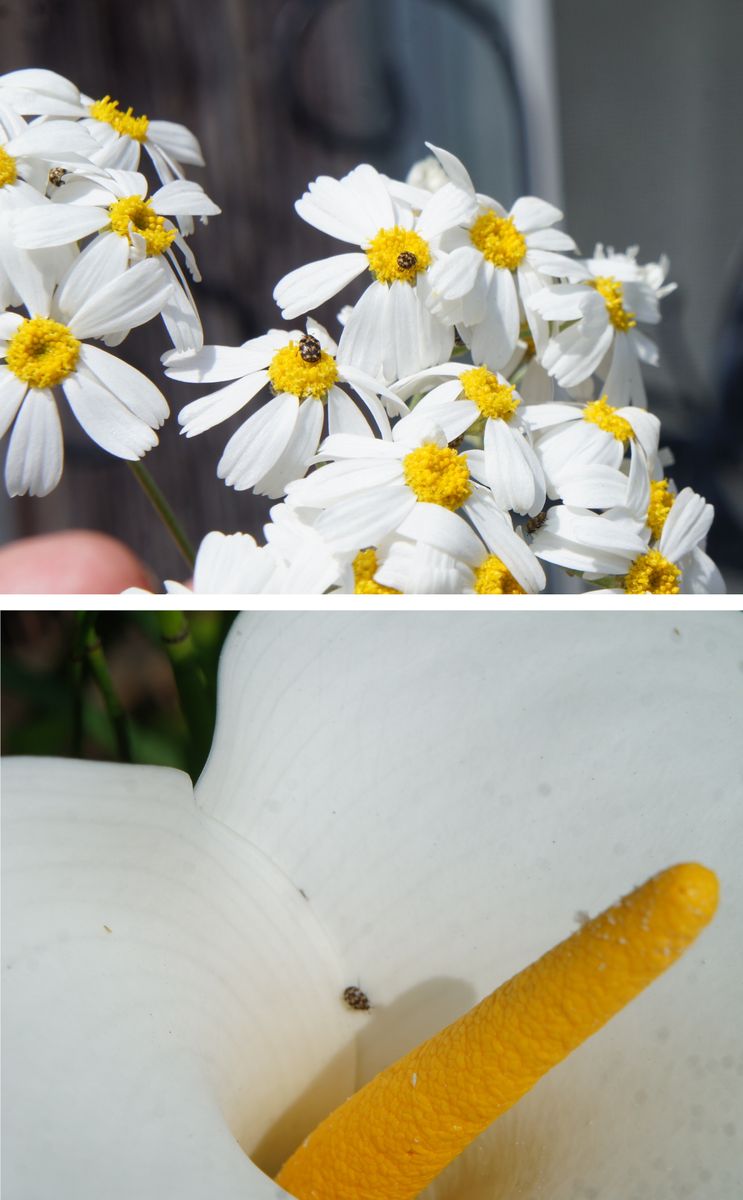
(437, 475)
(398, 254)
(8, 173)
(493, 577)
(125, 123)
(364, 569)
(131, 212)
(494, 399)
(652, 572)
(611, 290)
(498, 240)
(303, 369)
(661, 503)
(601, 413)
(42, 352)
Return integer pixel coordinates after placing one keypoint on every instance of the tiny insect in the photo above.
(406, 260)
(355, 998)
(309, 348)
(56, 175)
(535, 523)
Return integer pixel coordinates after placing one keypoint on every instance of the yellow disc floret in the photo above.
(601, 413)
(493, 578)
(398, 254)
(125, 123)
(611, 290)
(365, 567)
(42, 352)
(302, 371)
(437, 475)
(8, 172)
(652, 572)
(498, 240)
(493, 398)
(661, 502)
(133, 214)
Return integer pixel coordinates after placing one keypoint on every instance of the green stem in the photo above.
(96, 660)
(83, 621)
(196, 695)
(163, 510)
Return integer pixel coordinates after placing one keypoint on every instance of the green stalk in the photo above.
(96, 660)
(83, 622)
(163, 510)
(196, 695)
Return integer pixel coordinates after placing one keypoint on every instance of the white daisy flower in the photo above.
(569, 436)
(625, 267)
(602, 311)
(617, 544)
(294, 561)
(443, 554)
(130, 227)
(474, 396)
(497, 258)
(117, 406)
(373, 485)
(278, 443)
(390, 332)
(119, 134)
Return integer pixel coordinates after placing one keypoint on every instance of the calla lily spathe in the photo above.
(415, 804)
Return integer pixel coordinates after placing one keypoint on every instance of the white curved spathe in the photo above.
(449, 791)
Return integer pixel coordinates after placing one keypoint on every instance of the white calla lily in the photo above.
(415, 804)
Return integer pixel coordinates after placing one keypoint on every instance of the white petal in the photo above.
(35, 452)
(514, 472)
(686, 525)
(344, 416)
(529, 213)
(454, 168)
(298, 453)
(183, 197)
(253, 450)
(193, 990)
(135, 390)
(12, 391)
(210, 410)
(106, 419)
(494, 339)
(401, 349)
(180, 315)
(341, 480)
(361, 343)
(444, 529)
(454, 274)
(216, 364)
(132, 299)
(364, 519)
(310, 285)
(177, 140)
(104, 260)
(55, 225)
(447, 207)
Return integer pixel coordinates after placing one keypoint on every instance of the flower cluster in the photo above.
(89, 255)
(483, 411)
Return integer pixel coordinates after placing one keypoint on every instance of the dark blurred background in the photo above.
(122, 687)
(627, 116)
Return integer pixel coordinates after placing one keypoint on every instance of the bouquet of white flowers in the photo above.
(482, 412)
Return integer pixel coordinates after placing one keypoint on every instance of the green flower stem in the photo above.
(98, 666)
(164, 511)
(196, 694)
(77, 670)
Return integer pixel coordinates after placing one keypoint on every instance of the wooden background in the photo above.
(278, 91)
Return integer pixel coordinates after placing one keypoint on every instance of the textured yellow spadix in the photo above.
(395, 1135)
